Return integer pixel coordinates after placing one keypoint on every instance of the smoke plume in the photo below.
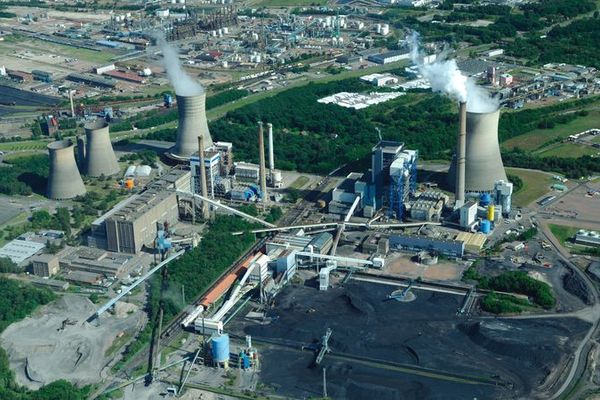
(183, 84)
(444, 76)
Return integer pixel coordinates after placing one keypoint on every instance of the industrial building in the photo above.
(389, 57)
(21, 249)
(96, 261)
(131, 224)
(43, 76)
(92, 80)
(587, 238)
(413, 243)
(45, 265)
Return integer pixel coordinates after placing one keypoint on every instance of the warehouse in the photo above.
(92, 80)
(451, 248)
(45, 265)
(43, 76)
(389, 57)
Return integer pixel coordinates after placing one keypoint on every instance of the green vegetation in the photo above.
(563, 233)
(17, 301)
(289, 3)
(25, 176)
(567, 150)
(533, 185)
(425, 122)
(575, 43)
(536, 138)
(225, 97)
(520, 282)
(147, 157)
(496, 303)
(8, 266)
(570, 167)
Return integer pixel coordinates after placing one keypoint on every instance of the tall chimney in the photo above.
(261, 155)
(271, 151)
(71, 101)
(461, 149)
(203, 186)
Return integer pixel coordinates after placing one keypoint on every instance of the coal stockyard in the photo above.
(16, 97)
(410, 350)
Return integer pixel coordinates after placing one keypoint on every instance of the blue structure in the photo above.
(453, 248)
(168, 100)
(220, 348)
(485, 199)
(485, 226)
(256, 190)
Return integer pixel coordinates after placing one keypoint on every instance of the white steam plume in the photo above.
(444, 76)
(183, 84)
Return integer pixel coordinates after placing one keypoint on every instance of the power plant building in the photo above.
(452, 248)
(132, 223)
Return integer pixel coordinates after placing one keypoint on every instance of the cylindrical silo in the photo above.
(485, 226)
(483, 164)
(64, 180)
(491, 212)
(192, 123)
(100, 157)
(220, 348)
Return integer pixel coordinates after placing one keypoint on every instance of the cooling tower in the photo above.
(100, 157)
(192, 123)
(483, 164)
(64, 181)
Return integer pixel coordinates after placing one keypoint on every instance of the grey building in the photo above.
(45, 265)
(453, 248)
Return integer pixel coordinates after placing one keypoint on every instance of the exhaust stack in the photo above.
(261, 155)
(64, 180)
(192, 122)
(203, 185)
(271, 150)
(461, 149)
(100, 157)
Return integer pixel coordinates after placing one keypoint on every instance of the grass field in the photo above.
(24, 145)
(566, 150)
(563, 233)
(536, 138)
(535, 185)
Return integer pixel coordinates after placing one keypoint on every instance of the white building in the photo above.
(380, 79)
(468, 213)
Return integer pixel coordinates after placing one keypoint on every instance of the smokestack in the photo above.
(271, 151)
(100, 157)
(64, 180)
(192, 121)
(461, 148)
(203, 186)
(71, 101)
(261, 155)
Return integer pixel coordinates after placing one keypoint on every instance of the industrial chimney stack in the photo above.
(64, 180)
(261, 155)
(100, 157)
(203, 185)
(271, 151)
(192, 122)
(461, 148)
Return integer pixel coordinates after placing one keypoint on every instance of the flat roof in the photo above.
(20, 250)
(472, 239)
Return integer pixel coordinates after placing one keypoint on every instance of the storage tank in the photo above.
(485, 226)
(491, 212)
(100, 157)
(485, 199)
(129, 184)
(220, 348)
(192, 123)
(64, 180)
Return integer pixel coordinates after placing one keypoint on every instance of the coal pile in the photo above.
(404, 339)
